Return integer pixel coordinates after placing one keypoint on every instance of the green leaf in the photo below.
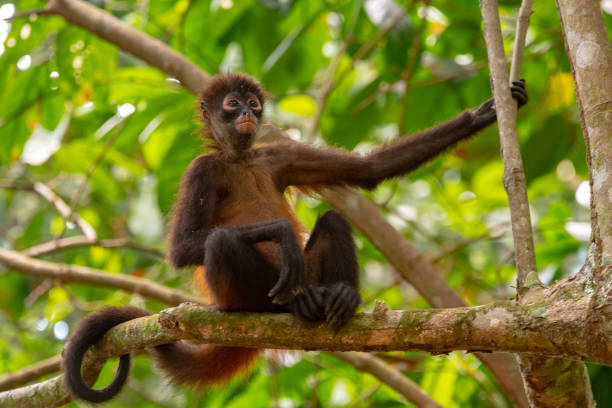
(299, 104)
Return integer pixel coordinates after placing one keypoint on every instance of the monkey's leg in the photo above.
(238, 275)
(333, 272)
(292, 273)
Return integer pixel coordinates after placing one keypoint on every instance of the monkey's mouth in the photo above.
(246, 125)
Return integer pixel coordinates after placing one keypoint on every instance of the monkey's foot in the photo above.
(341, 303)
(335, 304)
(309, 304)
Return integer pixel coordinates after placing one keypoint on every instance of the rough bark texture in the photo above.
(590, 55)
(554, 327)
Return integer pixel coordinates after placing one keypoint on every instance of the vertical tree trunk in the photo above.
(590, 55)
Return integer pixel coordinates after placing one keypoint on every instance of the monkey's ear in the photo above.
(204, 109)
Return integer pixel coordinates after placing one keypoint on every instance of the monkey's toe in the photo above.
(309, 304)
(342, 302)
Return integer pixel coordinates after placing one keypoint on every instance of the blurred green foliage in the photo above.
(112, 136)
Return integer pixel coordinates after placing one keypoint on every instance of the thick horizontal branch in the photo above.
(83, 274)
(502, 326)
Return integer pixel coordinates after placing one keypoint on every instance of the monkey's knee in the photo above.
(220, 247)
(333, 220)
(329, 229)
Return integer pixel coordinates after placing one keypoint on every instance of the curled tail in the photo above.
(198, 365)
(89, 332)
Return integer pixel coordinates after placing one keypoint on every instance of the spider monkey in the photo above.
(232, 217)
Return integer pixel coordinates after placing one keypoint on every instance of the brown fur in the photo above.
(233, 218)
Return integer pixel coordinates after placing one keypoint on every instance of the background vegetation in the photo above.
(112, 136)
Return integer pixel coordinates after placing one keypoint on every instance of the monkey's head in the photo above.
(231, 106)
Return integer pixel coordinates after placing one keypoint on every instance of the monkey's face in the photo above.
(232, 108)
(240, 115)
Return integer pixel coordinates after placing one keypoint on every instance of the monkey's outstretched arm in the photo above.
(298, 164)
(193, 214)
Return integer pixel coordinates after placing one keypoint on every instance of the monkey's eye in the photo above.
(232, 103)
(253, 103)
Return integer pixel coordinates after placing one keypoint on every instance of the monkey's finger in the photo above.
(311, 302)
(302, 310)
(335, 310)
(340, 319)
(519, 93)
(318, 296)
(346, 312)
(282, 298)
(336, 302)
(280, 283)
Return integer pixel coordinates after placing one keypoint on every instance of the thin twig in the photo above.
(514, 175)
(30, 373)
(65, 210)
(407, 74)
(519, 40)
(60, 205)
(91, 276)
(80, 241)
(337, 79)
(28, 13)
(389, 375)
(97, 160)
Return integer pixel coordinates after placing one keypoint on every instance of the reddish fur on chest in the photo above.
(253, 197)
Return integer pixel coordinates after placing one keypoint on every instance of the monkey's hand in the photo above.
(485, 114)
(292, 276)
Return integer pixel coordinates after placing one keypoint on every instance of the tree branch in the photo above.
(590, 55)
(80, 241)
(149, 49)
(519, 40)
(60, 205)
(514, 176)
(33, 372)
(387, 374)
(28, 13)
(83, 274)
(438, 331)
